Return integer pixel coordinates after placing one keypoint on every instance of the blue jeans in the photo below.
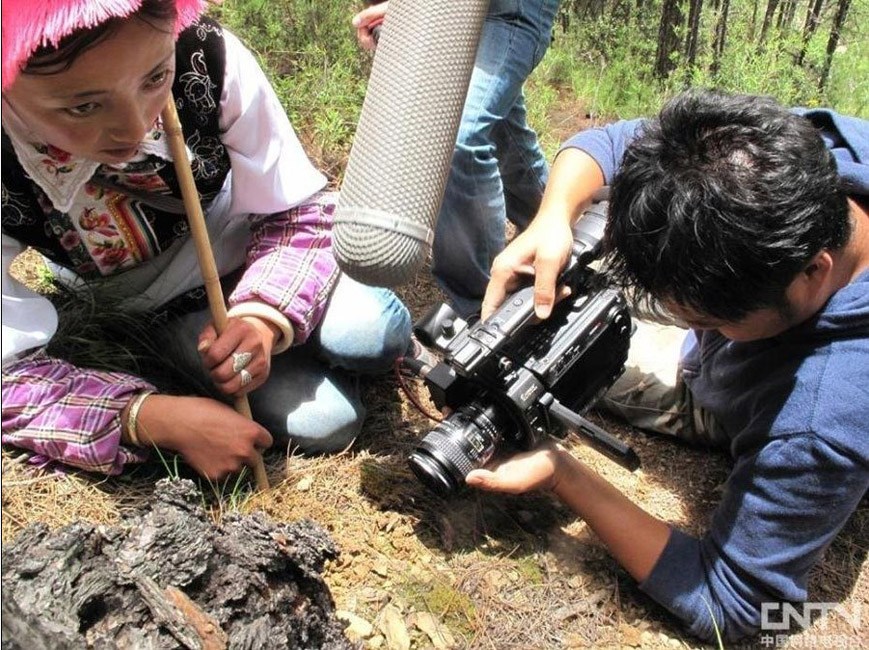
(312, 398)
(498, 170)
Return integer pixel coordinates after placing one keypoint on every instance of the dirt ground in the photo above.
(479, 571)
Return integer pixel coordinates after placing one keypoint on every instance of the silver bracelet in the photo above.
(132, 417)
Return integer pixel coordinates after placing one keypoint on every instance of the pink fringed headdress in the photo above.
(30, 24)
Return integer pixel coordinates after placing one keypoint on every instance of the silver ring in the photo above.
(246, 377)
(240, 361)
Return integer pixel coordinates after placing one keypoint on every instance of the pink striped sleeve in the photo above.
(71, 415)
(290, 265)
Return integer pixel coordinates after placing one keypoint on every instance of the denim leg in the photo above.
(364, 329)
(470, 227)
(307, 404)
(313, 394)
(522, 165)
(312, 397)
(651, 394)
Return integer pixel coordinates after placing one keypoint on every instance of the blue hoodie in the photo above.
(796, 409)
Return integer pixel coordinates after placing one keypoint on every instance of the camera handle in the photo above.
(588, 232)
(518, 308)
(596, 437)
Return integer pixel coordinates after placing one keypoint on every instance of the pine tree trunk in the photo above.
(835, 30)
(720, 36)
(771, 6)
(695, 8)
(752, 24)
(813, 18)
(786, 13)
(668, 40)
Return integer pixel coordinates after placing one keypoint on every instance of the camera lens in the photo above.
(464, 441)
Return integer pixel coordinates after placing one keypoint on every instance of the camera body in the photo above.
(514, 380)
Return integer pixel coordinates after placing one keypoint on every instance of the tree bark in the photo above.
(695, 8)
(170, 578)
(786, 10)
(668, 40)
(771, 6)
(813, 18)
(720, 36)
(833, 42)
(752, 23)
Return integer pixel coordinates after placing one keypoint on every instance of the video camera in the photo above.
(514, 379)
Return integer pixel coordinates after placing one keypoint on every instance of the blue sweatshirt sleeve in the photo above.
(847, 138)
(782, 507)
(606, 144)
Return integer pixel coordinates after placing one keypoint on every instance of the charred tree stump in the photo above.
(170, 578)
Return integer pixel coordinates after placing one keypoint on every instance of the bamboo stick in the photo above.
(210, 277)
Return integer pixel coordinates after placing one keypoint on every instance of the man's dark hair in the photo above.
(49, 59)
(720, 201)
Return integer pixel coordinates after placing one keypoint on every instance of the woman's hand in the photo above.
(212, 437)
(240, 359)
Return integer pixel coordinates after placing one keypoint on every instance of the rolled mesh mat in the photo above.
(400, 159)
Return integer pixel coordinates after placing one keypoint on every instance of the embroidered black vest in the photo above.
(29, 217)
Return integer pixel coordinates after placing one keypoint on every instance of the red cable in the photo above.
(412, 396)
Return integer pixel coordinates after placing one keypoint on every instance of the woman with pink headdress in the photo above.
(88, 182)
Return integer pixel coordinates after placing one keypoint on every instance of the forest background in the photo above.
(489, 571)
(610, 59)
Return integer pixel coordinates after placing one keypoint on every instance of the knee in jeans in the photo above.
(325, 441)
(365, 332)
(322, 426)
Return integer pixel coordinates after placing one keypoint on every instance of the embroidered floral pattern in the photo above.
(116, 234)
(70, 240)
(206, 162)
(16, 211)
(57, 161)
(197, 86)
(142, 175)
(59, 225)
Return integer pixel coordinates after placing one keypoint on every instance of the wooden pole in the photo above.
(190, 195)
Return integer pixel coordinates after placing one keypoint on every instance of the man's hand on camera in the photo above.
(531, 470)
(545, 246)
(541, 252)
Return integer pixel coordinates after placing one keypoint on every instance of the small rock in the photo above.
(630, 635)
(357, 627)
(495, 579)
(440, 636)
(305, 484)
(380, 567)
(392, 625)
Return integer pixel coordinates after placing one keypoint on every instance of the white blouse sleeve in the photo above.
(29, 320)
(270, 170)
